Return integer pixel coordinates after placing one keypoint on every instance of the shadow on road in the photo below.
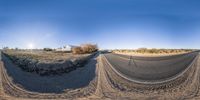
(79, 78)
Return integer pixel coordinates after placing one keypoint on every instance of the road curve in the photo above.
(150, 69)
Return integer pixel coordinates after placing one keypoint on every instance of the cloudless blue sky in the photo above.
(109, 23)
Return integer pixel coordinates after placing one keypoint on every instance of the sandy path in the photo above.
(104, 86)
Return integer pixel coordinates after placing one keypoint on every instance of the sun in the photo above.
(30, 46)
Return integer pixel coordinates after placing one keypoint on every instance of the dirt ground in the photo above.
(110, 86)
(17, 84)
(45, 56)
(46, 63)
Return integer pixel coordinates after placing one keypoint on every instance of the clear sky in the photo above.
(111, 24)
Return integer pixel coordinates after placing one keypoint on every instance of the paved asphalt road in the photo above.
(150, 68)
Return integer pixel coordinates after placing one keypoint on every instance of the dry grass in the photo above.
(47, 63)
(42, 55)
(84, 49)
(145, 51)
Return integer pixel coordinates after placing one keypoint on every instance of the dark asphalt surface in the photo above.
(150, 68)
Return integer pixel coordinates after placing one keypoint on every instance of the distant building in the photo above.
(66, 48)
(5, 48)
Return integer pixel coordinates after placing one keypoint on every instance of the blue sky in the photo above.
(112, 24)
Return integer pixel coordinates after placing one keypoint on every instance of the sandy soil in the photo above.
(110, 86)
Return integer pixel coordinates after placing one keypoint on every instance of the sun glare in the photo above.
(30, 46)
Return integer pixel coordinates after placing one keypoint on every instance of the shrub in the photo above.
(48, 49)
(141, 50)
(89, 48)
(85, 48)
(154, 51)
(77, 50)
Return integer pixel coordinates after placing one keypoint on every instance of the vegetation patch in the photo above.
(153, 51)
(47, 62)
(84, 49)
